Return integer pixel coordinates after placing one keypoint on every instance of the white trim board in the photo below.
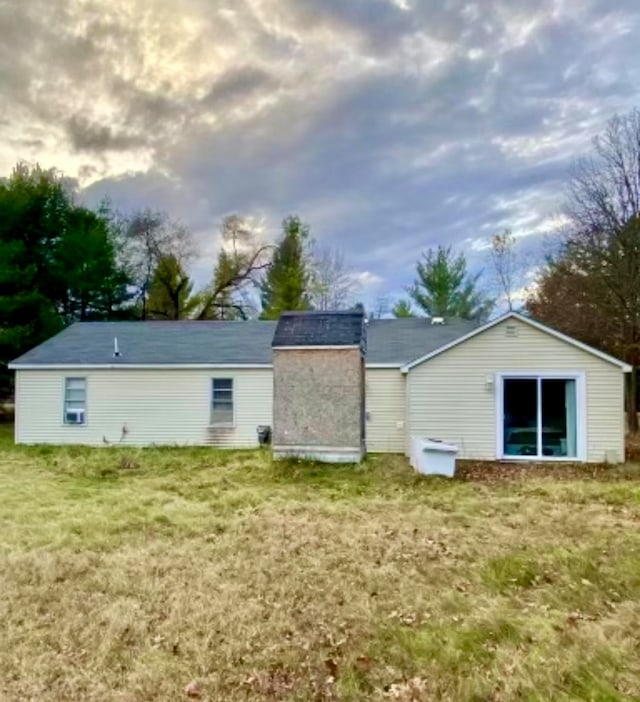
(137, 366)
(167, 366)
(317, 347)
(536, 325)
(581, 412)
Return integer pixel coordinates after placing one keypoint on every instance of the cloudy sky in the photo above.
(388, 125)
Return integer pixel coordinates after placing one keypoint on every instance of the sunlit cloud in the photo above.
(388, 125)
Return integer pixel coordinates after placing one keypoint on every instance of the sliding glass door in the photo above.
(540, 417)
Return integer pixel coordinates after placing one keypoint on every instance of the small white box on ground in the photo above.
(433, 457)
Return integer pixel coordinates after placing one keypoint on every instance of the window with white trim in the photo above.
(540, 416)
(75, 400)
(222, 401)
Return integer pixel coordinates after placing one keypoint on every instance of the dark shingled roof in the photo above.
(404, 340)
(157, 342)
(320, 329)
(392, 341)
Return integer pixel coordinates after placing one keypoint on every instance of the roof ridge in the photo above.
(167, 322)
(317, 313)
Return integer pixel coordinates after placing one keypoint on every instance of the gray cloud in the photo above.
(90, 136)
(391, 126)
(237, 84)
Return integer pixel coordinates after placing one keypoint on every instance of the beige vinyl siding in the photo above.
(448, 396)
(385, 406)
(153, 406)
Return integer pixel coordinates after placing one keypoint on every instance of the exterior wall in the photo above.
(448, 397)
(385, 402)
(155, 406)
(318, 396)
(138, 398)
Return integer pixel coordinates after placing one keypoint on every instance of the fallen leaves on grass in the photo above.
(362, 584)
(493, 471)
(193, 689)
(412, 690)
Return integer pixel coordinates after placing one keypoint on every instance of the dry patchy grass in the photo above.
(129, 574)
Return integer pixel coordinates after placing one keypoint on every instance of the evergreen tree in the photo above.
(34, 208)
(402, 308)
(91, 285)
(286, 285)
(444, 288)
(57, 263)
(170, 291)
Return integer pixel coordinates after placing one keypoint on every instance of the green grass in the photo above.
(128, 574)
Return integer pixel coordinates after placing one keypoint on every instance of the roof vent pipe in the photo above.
(116, 350)
(437, 320)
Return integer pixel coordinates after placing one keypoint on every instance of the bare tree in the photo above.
(604, 239)
(332, 284)
(604, 192)
(505, 265)
(381, 308)
(599, 259)
(241, 260)
(149, 238)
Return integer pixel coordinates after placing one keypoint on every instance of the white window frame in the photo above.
(232, 423)
(66, 423)
(581, 413)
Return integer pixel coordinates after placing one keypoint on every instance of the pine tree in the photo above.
(58, 262)
(286, 285)
(444, 288)
(402, 308)
(170, 291)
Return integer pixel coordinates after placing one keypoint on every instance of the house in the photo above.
(509, 389)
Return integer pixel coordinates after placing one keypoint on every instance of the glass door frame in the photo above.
(581, 414)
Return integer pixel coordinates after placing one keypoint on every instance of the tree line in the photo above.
(588, 285)
(61, 262)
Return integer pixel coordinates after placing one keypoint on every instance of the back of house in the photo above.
(510, 389)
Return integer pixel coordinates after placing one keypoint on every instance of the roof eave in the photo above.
(134, 366)
(315, 347)
(166, 366)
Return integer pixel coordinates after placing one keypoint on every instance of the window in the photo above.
(222, 401)
(540, 417)
(75, 400)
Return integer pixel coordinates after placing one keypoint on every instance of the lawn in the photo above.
(168, 574)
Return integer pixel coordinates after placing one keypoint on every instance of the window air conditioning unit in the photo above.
(74, 416)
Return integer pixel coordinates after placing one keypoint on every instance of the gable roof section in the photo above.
(391, 343)
(395, 342)
(531, 322)
(155, 343)
(320, 329)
